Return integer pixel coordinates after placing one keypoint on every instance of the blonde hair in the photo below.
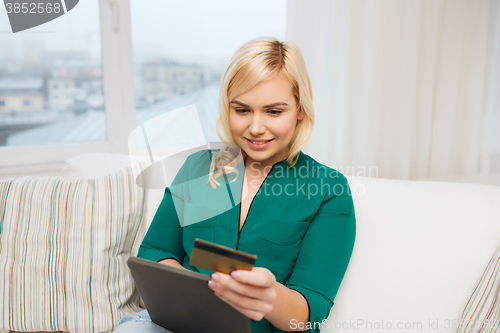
(260, 59)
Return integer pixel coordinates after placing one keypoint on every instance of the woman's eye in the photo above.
(273, 112)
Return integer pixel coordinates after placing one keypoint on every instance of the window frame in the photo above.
(119, 101)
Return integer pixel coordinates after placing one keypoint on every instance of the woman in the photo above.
(295, 214)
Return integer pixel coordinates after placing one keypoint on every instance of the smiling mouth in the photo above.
(258, 142)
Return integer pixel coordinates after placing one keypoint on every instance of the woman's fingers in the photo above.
(224, 281)
(246, 301)
(258, 276)
(250, 313)
(253, 300)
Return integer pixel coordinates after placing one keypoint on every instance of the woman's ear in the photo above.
(300, 114)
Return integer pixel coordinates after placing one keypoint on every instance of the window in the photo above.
(80, 56)
(77, 57)
(183, 64)
(63, 54)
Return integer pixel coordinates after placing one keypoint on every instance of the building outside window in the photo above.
(51, 80)
(181, 68)
(69, 68)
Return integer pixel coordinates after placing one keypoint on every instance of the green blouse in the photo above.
(301, 225)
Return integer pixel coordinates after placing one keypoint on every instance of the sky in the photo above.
(204, 30)
(77, 30)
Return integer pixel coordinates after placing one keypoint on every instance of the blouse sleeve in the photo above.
(163, 239)
(325, 254)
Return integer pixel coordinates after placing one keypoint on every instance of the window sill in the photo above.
(49, 170)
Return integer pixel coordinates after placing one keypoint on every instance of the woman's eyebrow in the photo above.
(265, 106)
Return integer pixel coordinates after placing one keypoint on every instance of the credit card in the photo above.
(218, 258)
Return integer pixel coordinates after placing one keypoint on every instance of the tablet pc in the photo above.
(181, 301)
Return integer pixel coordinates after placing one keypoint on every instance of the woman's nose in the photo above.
(257, 126)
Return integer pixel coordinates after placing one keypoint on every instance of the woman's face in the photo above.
(268, 111)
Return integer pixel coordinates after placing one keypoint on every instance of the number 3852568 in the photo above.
(33, 8)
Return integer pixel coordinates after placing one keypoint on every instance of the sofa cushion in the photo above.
(481, 313)
(421, 248)
(100, 164)
(63, 251)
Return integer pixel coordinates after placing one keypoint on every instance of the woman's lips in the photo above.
(259, 146)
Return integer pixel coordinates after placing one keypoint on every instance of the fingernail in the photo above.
(216, 277)
(212, 284)
(235, 274)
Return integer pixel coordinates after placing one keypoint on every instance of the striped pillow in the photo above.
(63, 251)
(482, 313)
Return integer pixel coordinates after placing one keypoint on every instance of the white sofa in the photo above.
(421, 248)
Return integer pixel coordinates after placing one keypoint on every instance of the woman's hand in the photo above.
(251, 292)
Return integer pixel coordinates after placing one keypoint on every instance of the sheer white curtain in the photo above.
(404, 89)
